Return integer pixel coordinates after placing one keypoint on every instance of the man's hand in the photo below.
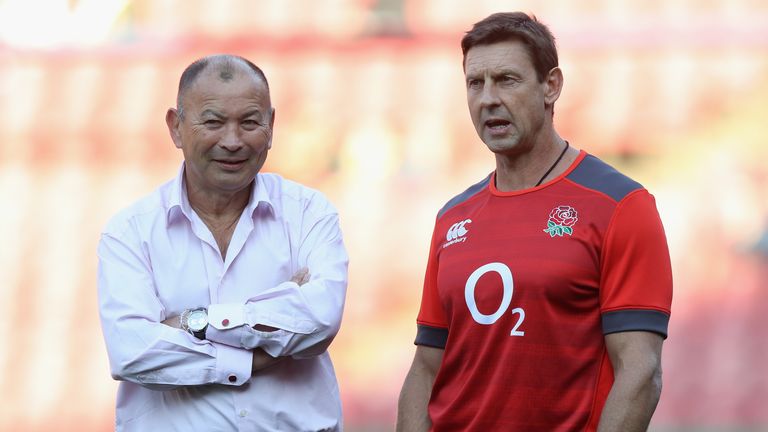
(301, 277)
(174, 321)
(262, 360)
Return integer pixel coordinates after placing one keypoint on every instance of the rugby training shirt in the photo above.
(521, 288)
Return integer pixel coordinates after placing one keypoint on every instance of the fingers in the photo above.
(301, 276)
(173, 322)
(262, 360)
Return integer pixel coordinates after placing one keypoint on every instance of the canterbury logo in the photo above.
(457, 232)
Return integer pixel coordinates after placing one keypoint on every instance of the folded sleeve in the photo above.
(141, 348)
(306, 317)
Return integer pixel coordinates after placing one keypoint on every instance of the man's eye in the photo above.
(474, 83)
(212, 123)
(506, 79)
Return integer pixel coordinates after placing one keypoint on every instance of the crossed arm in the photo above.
(261, 360)
(296, 318)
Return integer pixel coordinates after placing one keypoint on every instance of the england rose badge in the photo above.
(561, 221)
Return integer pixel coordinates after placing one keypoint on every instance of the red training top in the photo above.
(521, 288)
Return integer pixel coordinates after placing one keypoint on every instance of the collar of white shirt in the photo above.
(178, 202)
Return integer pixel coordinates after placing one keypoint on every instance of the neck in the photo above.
(524, 169)
(217, 205)
(220, 212)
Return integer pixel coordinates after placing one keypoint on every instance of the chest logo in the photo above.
(561, 221)
(457, 232)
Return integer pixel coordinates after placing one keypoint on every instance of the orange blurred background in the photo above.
(371, 110)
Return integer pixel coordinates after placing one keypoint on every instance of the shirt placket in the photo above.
(214, 271)
(243, 401)
(214, 266)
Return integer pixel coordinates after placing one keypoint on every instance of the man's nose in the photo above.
(489, 95)
(231, 140)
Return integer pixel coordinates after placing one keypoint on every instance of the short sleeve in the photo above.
(432, 326)
(636, 274)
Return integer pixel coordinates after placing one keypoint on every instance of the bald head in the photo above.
(225, 66)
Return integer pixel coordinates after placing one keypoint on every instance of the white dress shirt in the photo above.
(157, 258)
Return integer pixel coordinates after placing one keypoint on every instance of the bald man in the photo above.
(220, 292)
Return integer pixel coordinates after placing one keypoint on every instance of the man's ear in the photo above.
(271, 128)
(553, 85)
(172, 119)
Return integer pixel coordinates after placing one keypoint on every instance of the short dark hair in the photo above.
(504, 26)
(226, 62)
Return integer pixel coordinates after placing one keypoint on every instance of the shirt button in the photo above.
(243, 413)
(225, 322)
(232, 378)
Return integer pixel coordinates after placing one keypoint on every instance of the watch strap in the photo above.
(184, 320)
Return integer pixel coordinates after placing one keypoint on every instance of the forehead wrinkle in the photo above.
(495, 63)
(245, 93)
(211, 108)
(221, 67)
(213, 112)
(254, 111)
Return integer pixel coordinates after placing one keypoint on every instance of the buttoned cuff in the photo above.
(233, 365)
(291, 317)
(226, 324)
(273, 343)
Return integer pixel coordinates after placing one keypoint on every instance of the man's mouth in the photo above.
(497, 124)
(230, 163)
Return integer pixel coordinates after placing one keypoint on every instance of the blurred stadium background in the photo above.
(371, 110)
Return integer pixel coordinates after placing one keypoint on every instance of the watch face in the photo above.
(197, 320)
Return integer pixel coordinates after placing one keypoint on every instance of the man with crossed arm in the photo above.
(220, 292)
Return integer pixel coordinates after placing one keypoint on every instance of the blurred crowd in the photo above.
(371, 110)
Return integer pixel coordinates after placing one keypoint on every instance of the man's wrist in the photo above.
(195, 322)
(183, 320)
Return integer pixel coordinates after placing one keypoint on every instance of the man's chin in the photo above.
(501, 145)
(232, 184)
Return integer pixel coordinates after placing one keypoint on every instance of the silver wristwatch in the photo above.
(195, 321)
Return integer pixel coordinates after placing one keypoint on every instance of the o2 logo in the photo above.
(506, 299)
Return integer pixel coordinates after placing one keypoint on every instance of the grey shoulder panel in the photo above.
(595, 174)
(467, 194)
